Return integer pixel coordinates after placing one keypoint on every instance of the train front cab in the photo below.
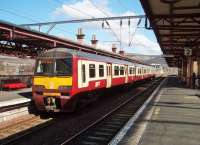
(52, 84)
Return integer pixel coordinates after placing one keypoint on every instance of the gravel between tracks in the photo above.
(67, 125)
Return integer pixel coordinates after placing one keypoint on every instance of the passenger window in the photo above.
(101, 70)
(116, 70)
(121, 70)
(92, 70)
(83, 73)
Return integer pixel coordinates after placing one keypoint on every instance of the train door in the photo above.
(126, 73)
(134, 73)
(109, 75)
(82, 74)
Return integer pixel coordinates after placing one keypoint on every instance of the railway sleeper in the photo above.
(110, 126)
(121, 115)
(99, 138)
(105, 130)
(101, 133)
(95, 140)
(89, 143)
(115, 122)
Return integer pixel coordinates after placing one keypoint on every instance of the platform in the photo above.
(15, 97)
(173, 118)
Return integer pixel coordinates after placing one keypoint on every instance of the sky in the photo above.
(133, 39)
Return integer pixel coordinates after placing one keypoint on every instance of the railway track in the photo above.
(105, 129)
(10, 111)
(13, 107)
(12, 133)
(99, 132)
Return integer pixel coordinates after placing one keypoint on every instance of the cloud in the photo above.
(81, 9)
(142, 44)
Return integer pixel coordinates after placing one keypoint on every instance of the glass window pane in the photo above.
(44, 66)
(116, 70)
(92, 70)
(121, 70)
(63, 66)
(101, 70)
(83, 73)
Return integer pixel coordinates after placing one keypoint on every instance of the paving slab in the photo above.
(174, 118)
(15, 97)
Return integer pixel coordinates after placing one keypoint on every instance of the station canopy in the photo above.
(176, 24)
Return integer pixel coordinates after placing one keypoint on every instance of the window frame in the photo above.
(92, 69)
(116, 69)
(83, 73)
(101, 70)
(121, 69)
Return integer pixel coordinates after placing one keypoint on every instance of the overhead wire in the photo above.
(82, 12)
(77, 10)
(114, 33)
(134, 30)
(18, 15)
(129, 24)
(120, 34)
(58, 1)
(28, 18)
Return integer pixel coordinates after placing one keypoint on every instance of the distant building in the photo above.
(16, 66)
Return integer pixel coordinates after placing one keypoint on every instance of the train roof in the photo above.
(65, 52)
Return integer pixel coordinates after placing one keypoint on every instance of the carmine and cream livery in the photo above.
(63, 77)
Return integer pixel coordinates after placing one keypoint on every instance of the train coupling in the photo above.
(52, 104)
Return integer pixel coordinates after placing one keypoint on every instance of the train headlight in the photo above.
(64, 88)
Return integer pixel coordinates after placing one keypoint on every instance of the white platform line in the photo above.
(14, 102)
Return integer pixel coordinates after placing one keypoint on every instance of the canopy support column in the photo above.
(189, 71)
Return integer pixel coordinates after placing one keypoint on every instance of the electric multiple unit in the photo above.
(64, 77)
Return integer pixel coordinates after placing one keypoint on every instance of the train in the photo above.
(65, 78)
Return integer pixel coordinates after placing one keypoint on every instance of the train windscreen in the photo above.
(55, 67)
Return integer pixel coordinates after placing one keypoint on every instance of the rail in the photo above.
(104, 129)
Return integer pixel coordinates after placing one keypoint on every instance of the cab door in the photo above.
(109, 75)
(82, 74)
